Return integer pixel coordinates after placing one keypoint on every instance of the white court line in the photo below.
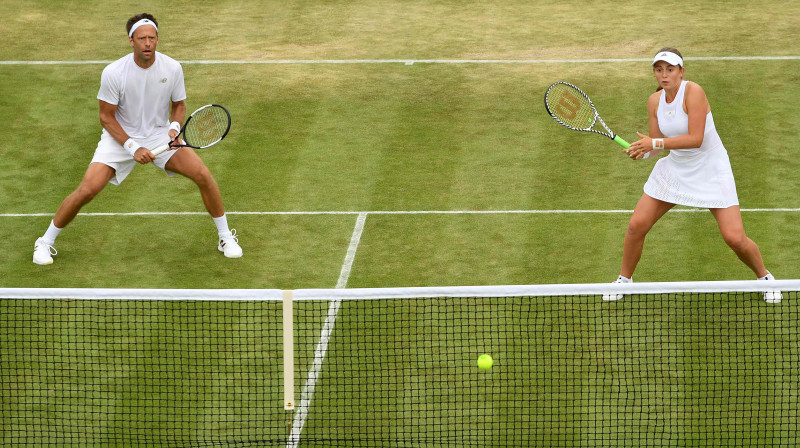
(396, 212)
(322, 346)
(355, 239)
(422, 61)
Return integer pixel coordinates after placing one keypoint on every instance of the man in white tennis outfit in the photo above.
(138, 94)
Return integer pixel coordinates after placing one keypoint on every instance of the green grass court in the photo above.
(462, 176)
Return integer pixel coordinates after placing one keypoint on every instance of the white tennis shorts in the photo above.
(110, 152)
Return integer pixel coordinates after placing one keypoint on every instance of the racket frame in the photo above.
(172, 145)
(597, 118)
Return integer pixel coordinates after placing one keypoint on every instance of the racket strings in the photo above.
(570, 107)
(207, 126)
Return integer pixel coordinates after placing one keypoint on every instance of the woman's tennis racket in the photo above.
(205, 127)
(572, 108)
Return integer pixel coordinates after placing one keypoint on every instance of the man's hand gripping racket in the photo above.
(205, 127)
(572, 108)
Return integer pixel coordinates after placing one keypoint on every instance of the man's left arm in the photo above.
(177, 113)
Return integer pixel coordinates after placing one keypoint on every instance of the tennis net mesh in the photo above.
(689, 364)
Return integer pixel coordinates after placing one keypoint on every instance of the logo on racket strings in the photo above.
(206, 127)
(568, 106)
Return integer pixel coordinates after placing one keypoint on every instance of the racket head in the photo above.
(570, 107)
(207, 126)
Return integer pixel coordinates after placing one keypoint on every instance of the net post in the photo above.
(288, 351)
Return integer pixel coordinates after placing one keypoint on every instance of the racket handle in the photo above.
(160, 149)
(622, 142)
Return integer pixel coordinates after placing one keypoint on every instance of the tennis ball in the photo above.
(485, 362)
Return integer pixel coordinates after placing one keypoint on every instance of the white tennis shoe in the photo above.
(229, 245)
(43, 252)
(772, 296)
(610, 296)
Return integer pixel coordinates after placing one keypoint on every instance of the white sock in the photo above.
(767, 277)
(50, 236)
(222, 226)
(622, 279)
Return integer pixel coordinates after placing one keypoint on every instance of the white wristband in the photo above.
(131, 146)
(175, 126)
(658, 143)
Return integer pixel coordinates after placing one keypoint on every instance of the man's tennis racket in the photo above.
(572, 108)
(205, 127)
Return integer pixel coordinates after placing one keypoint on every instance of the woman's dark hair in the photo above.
(671, 50)
(137, 18)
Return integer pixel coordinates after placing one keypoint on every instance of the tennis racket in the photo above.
(572, 108)
(205, 127)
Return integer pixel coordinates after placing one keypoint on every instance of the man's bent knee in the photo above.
(93, 183)
(85, 193)
(202, 176)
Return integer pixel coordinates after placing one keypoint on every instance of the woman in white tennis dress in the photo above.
(696, 173)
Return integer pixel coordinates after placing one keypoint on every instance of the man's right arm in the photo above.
(108, 119)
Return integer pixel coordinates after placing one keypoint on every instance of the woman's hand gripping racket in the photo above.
(572, 108)
(205, 127)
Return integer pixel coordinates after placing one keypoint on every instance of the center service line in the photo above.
(325, 336)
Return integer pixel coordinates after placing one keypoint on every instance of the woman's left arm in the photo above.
(696, 106)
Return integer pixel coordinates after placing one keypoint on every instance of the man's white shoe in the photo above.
(610, 297)
(43, 252)
(230, 245)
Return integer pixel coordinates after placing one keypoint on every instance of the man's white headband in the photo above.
(668, 57)
(141, 23)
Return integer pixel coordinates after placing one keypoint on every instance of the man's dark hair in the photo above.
(137, 18)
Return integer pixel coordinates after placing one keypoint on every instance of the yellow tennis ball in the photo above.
(485, 362)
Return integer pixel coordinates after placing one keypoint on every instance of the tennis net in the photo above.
(670, 364)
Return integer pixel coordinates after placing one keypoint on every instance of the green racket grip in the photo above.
(622, 142)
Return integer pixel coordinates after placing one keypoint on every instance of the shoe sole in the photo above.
(219, 248)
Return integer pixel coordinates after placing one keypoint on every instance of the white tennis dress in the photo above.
(696, 177)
